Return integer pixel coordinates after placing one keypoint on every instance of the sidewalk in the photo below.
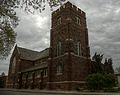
(60, 92)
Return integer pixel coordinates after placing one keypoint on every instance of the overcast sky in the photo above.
(103, 20)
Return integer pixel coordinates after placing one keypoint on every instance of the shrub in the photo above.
(100, 81)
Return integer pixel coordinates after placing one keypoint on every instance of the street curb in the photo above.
(60, 92)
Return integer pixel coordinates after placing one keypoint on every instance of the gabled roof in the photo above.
(31, 55)
(43, 65)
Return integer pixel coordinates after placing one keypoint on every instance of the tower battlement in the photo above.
(69, 5)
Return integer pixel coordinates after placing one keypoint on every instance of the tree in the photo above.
(117, 69)
(2, 74)
(39, 5)
(108, 68)
(9, 19)
(102, 76)
(97, 66)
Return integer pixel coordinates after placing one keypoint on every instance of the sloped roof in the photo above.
(43, 65)
(32, 55)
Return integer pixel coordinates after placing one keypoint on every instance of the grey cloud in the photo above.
(104, 26)
(31, 33)
(4, 65)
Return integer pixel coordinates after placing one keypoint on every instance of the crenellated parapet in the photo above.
(70, 6)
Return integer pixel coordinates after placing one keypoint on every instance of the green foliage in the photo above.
(102, 76)
(100, 81)
(99, 67)
(39, 5)
(97, 58)
(97, 63)
(109, 80)
(8, 21)
(114, 89)
(7, 40)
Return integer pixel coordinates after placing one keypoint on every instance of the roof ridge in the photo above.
(27, 49)
(44, 50)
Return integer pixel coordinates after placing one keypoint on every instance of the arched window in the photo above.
(37, 73)
(59, 69)
(59, 21)
(78, 20)
(78, 48)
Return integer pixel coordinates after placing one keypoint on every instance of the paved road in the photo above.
(6, 92)
(22, 93)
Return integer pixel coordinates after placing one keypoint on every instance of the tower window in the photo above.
(59, 69)
(78, 20)
(59, 49)
(59, 21)
(78, 48)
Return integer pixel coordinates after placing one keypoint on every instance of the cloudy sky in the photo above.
(103, 20)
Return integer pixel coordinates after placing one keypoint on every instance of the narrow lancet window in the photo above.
(78, 49)
(59, 51)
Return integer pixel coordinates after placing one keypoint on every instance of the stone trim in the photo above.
(80, 56)
(60, 56)
(66, 82)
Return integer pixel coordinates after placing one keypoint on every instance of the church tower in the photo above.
(69, 61)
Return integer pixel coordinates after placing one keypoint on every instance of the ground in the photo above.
(38, 92)
(21, 93)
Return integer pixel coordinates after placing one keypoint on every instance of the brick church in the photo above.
(64, 65)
